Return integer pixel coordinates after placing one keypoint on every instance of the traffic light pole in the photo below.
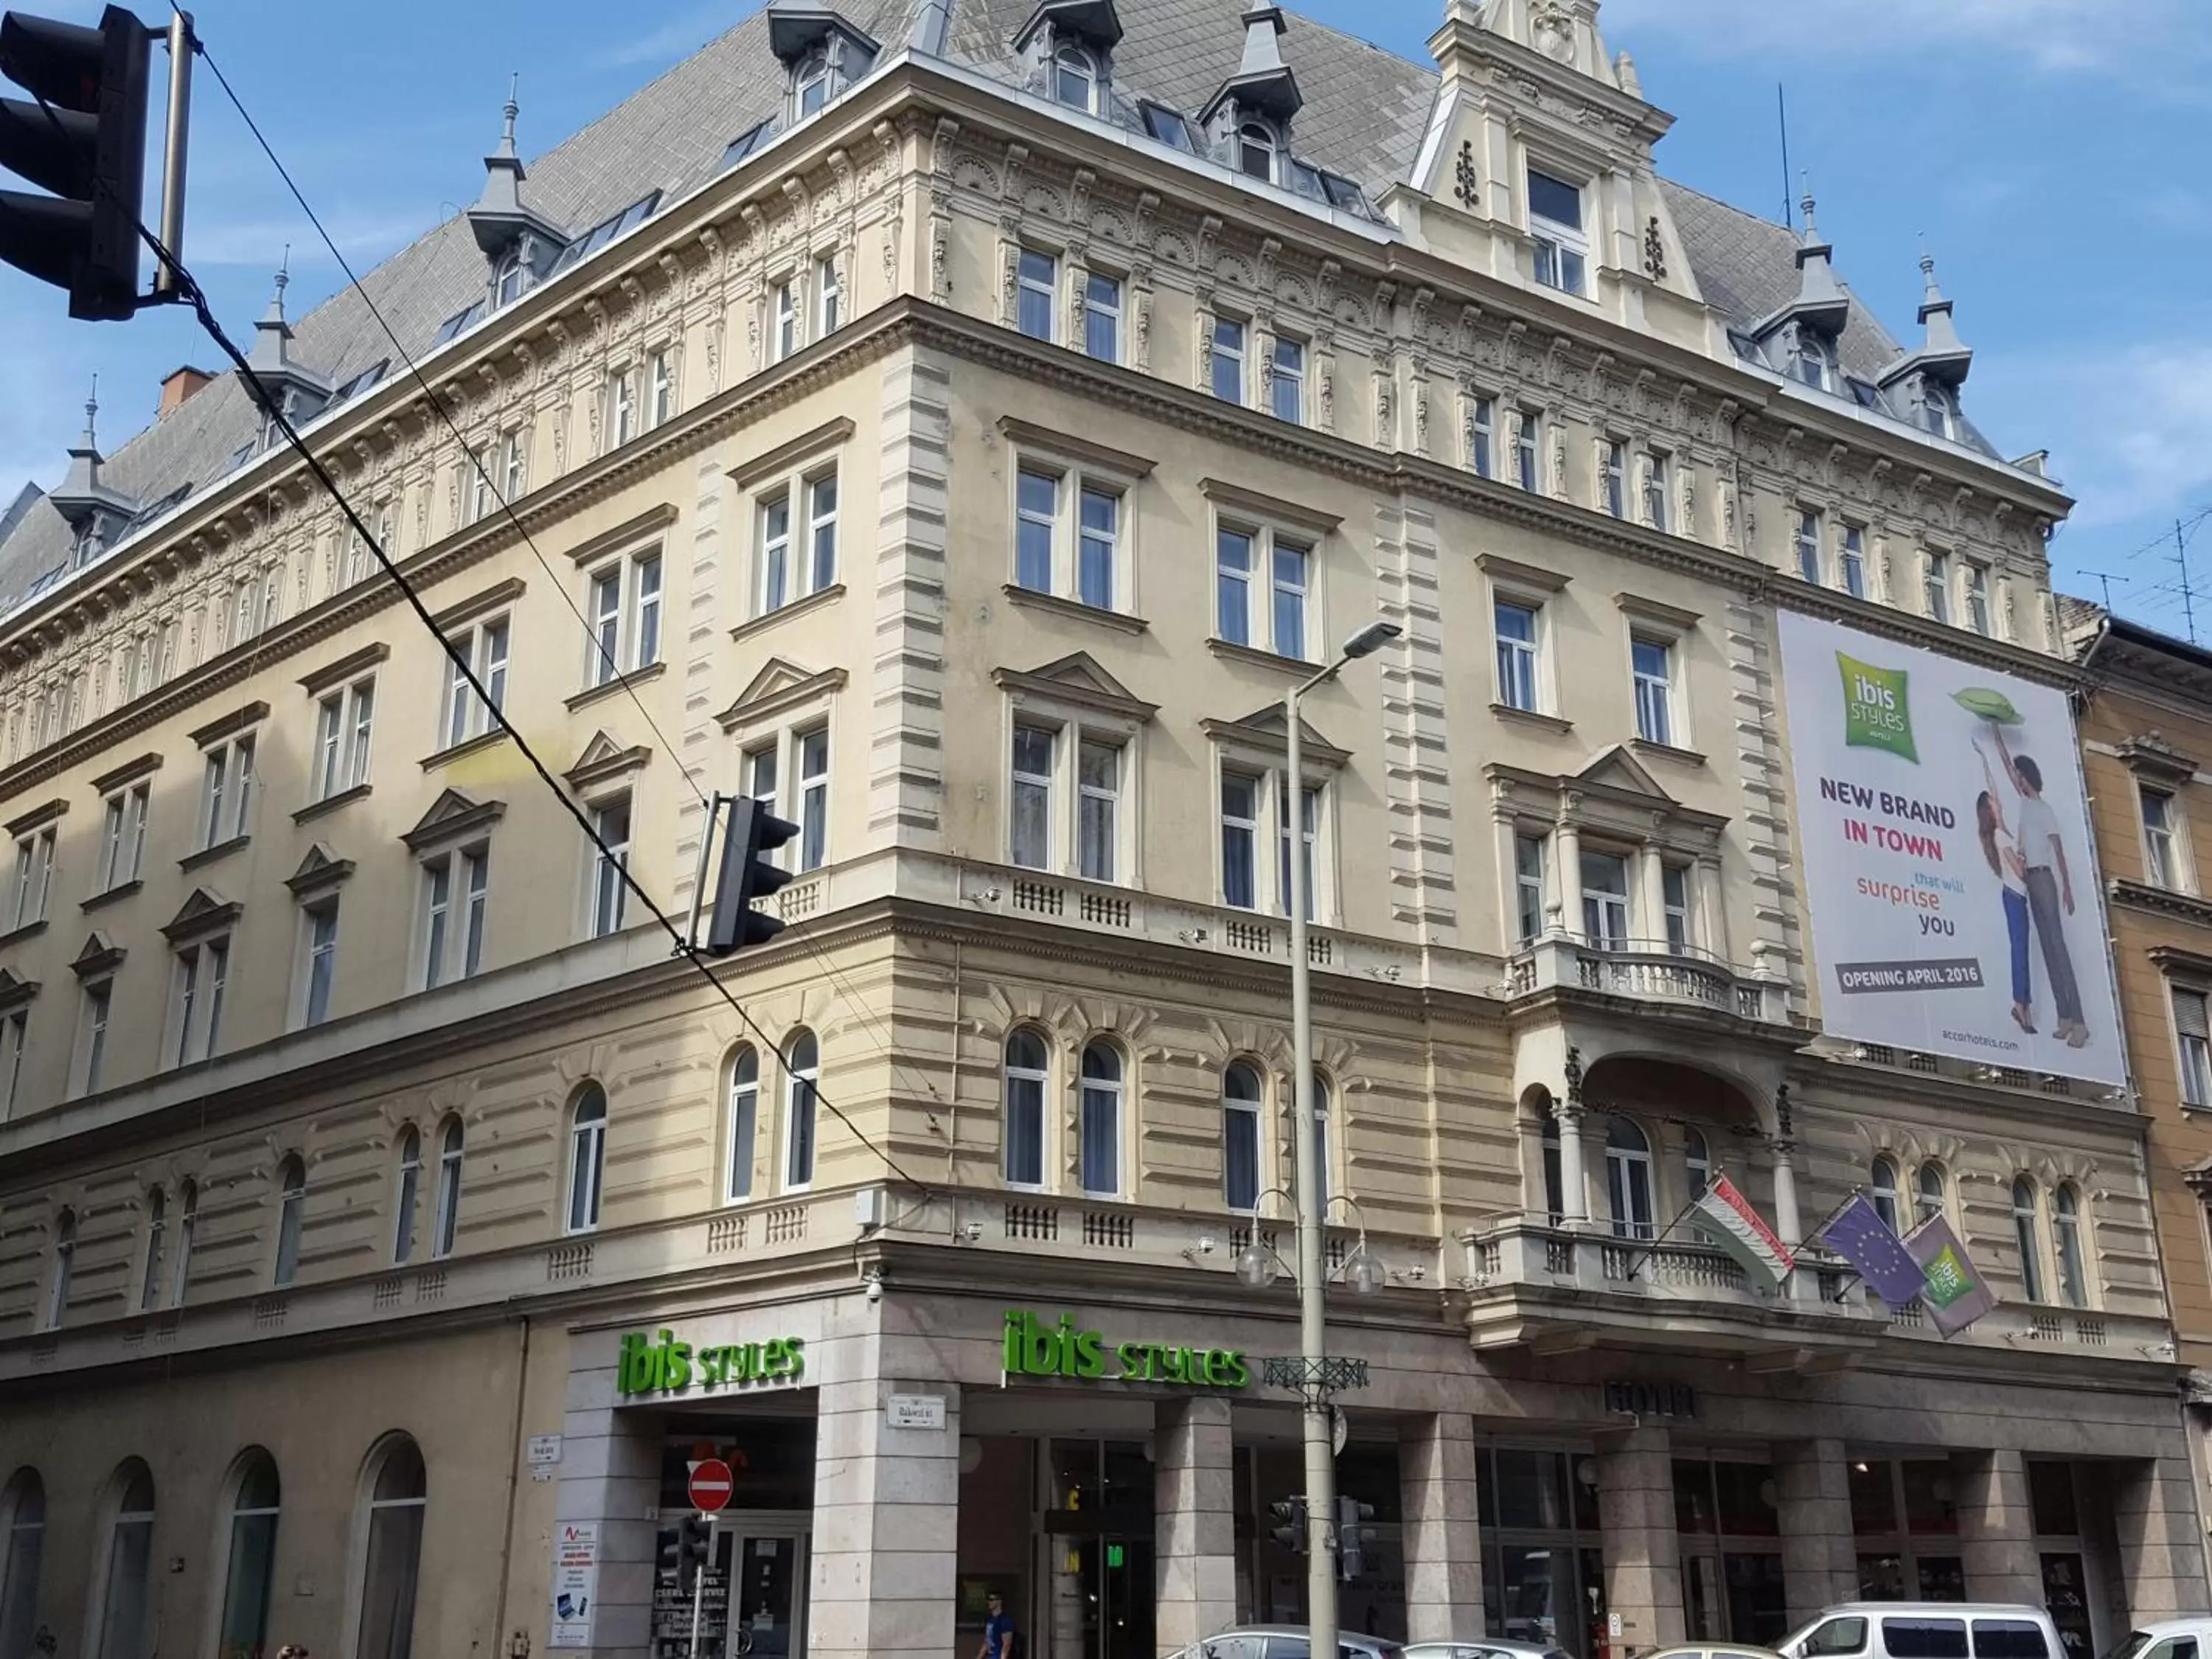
(699, 1586)
(166, 286)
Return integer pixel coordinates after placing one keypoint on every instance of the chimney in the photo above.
(178, 386)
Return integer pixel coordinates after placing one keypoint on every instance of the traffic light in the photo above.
(1354, 1537)
(84, 141)
(1292, 1534)
(747, 877)
(692, 1534)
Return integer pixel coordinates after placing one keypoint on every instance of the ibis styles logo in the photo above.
(1877, 714)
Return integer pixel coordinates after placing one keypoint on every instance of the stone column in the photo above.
(1642, 1558)
(2161, 1543)
(1997, 1528)
(1574, 1178)
(1819, 1554)
(1195, 1503)
(1437, 1481)
(1567, 876)
(886, 1518)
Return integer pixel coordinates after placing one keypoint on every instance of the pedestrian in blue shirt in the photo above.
(998, 1630)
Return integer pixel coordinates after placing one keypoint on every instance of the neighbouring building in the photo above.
(957, 423)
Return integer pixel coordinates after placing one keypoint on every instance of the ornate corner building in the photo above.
(958, 423)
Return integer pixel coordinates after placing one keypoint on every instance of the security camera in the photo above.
(874, 1285)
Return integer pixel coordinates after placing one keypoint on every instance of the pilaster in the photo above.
(1819, 1562)
(1997, 1528)
(1437, 1479)
(1642, 1558)
(1194, 1502)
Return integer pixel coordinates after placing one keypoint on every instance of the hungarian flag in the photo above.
(1955, 1295)
(1742, 1232)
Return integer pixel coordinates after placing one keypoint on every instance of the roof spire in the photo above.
(506, 151)
(1943, 338)
(1263, 31)
(499, 217)
(1263, 81)
(90, 443)
(1805, 204)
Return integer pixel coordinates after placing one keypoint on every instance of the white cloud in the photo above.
(2056, 35)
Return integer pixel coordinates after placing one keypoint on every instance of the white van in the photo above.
(2174, 1638)
(1925, 1630)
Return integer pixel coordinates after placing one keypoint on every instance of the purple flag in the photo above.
(1955, 1294)
(1859, 1235)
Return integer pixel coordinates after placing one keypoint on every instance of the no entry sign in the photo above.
(711, 1485)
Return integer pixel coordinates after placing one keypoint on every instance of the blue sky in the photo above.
(2039, 146)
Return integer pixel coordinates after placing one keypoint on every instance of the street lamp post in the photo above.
(1313, 1346)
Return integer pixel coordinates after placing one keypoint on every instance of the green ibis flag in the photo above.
(1955, 1295)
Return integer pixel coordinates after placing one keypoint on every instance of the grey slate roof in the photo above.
(1364, 114)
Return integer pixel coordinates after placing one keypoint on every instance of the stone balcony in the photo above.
(1647, 971)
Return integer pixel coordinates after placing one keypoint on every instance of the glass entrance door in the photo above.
(765, 1561)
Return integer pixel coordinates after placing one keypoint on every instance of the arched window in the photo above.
(125, 1630)
(188, 1222)
(810, 80)
(1256, 150)
(157, 1222)
(1882, 1189)
(2026, 1225)
(802, 1065)
(1555, 1184)
(1239, 1137)
(397, 1500)
(58, 1288)
(291, 1205)
(1928, 1202)
(1697, 1165)
(1099, 1156)
(744, 1126)
(23, 1554)
(410, 1182)
(514, 277)
(1075, 79)
(1937, 410)
(448, 1220)
(587, 1157)
(1628, 1179)
(2066, 1227)
(1027, 1074)
(1321, 1136)
(252, 1561)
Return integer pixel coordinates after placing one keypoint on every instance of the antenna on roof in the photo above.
(1782, 108)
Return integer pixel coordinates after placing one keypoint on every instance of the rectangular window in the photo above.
(775, 554)
(786, 338)
(322, 965)
(1228, 338)
(661, 388)
(1529, 885)
(484, 648)
(1481, 437)
(34, 877)
(1101, 317)
(2193, 1026)
(1808, 546)
(610, 895)
(226, 792)
(1555, 222)
(622, 408)
(1037, 521)
(2161, 859)
(829, 297)
(1853, 561)
(1674, 896)
(344, 720)
(1616, 478)
(512, 456)
(1652, 663)
(1292, 567)
(1517, 655)
(1233, 585)
(1937, 586)
(814, 799)
(203, 974)
(479, 470)
(123, 837)
(1605, 900)
(1032, 798)
(1097, 552)
(1528, 444)
(760, 779)
(1099, 810)
(625, 617)
(1658, 496)
(1240, 828)
(1309, 824)
(1289, 387)
(1036, 286)
(1977, 578)
(97, 1000)
(821, 532)
(14, 1032)
(456, 894)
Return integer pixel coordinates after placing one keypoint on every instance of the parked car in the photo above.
(1286, 1642)
(1925, 1630)
(1500, 1648)
(1714, 1651)
(2170, 1638)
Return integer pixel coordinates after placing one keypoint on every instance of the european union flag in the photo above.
(1858, 1234)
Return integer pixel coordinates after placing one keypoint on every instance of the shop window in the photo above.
(1028, 1074)
(22, 1560)
(1543, 1573)
(743, 1128)
(397, 1499)
(802, 1067)
(587, 1157)
(1239, 1137)
(1906, 1521)
(124, 1624)
(447, 1219)
(250, 1572)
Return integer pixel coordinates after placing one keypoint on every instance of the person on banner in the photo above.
(2050, 889)
(2001, 848)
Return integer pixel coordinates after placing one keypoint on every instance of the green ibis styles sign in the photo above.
(649, 1365)
(1033, 1348)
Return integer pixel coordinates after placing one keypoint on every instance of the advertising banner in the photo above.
(1945, 856)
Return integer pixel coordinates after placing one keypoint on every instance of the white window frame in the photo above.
(1072, 57)
(660, 387)
(1262, 587)
(622, 408)
(2192, 1043)
(1105, 303)
(1974, 589)
(808, 800)
(1266, 831)
(488, 646)
(1533, 655)
(345, 724)
(1073, 734)
(1256, 139)
(1069, 534)
(829, 296)
(584, 1198)
(1287, 388)
(1561, 249)
(1609, 906)
(318, 962)
(1482, 435)
(227, 787)
(1658, 490)
(802, 1085)
(1036, 1078)
(784, 335)
(452, 914)
(34, 875)
(1936, 584)
(2166, 860)
(625, 599)
(810, 557)
(1532, 863)
(513, 465)
(291, 1221)
(1111, 1094)
(1616, 477)
(742, 1106)
(607, 897)
(1657, 696)
(1528, 450)
(1233, 364)
(1677, 907)
(1036, 292)
(1810, 542)
(14, 1034)
(123, 836)
(407, 1195)
(200, 985)
(446, 1213)
(1850, 562)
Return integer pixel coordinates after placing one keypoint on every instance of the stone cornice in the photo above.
(2160, 901)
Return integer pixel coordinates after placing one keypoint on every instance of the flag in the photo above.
(1743, 1233)
(1955, 1294)
(1858, 1234)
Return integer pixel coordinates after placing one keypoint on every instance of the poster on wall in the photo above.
(575, 1583)
(1948, 875)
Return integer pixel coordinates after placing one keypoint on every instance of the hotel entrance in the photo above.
(1097, 1539)
(761, 1563)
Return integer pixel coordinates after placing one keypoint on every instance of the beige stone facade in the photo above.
(340, 1159)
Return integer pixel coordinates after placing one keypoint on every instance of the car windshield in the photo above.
(2135, 1642)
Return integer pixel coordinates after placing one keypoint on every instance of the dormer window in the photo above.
(1256, 150)
(1555, 222)
(514, 277)
(1812, 362)
(1075, 78)
(811, 81)
(1938, 413)
(1169, 128)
